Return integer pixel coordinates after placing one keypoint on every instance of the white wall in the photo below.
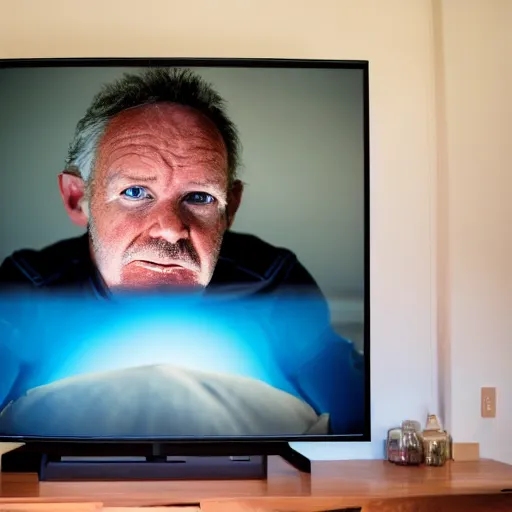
(475, 72)
(396, 37)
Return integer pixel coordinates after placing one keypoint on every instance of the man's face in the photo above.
(157, 210)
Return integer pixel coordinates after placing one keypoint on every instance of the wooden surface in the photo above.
(84, 507)
(332, 485)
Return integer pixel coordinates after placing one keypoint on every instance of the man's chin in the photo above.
(148, 276)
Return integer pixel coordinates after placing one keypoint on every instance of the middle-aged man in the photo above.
(151, 176)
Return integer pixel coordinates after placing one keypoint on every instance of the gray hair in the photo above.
(156, 85)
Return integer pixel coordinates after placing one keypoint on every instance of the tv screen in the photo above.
(184, 250)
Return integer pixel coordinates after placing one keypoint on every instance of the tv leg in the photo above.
(296, 459)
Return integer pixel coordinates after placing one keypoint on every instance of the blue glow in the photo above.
(286, 343)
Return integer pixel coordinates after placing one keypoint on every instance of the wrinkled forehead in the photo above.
(171, 132)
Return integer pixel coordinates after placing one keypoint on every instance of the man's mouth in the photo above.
(148, 273)
(163, 268)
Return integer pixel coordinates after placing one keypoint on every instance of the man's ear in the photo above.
(72, 190)
(234, 200)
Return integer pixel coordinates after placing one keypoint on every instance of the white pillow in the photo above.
(159, 400)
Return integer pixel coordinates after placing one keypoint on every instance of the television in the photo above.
(184, 259)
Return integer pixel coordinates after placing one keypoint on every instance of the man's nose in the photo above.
(168, 224)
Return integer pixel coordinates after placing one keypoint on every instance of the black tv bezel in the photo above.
(218, 444)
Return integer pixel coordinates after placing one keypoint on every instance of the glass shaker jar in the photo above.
(411, 445)
(436, 443)
(435, 447)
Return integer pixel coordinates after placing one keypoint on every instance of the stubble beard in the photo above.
(101, 255)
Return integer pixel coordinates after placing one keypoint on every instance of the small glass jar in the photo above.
(411, 445)
(394, 443)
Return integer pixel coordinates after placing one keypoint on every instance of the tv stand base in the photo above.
(172, 468)
(106, 461)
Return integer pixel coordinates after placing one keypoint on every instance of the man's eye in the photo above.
(199, 198)
(135, 193)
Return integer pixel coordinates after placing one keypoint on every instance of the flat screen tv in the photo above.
(184, 251)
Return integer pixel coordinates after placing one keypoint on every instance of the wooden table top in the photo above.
(331, 485)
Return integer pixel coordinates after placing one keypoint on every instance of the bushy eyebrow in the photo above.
(120, 175)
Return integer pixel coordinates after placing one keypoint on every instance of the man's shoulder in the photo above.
(240, 244)
(245, 257)
(43, 267)
(254, 264)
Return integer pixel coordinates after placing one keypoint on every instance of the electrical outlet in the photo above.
(488, 403)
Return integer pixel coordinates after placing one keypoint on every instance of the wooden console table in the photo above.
(332, 486)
